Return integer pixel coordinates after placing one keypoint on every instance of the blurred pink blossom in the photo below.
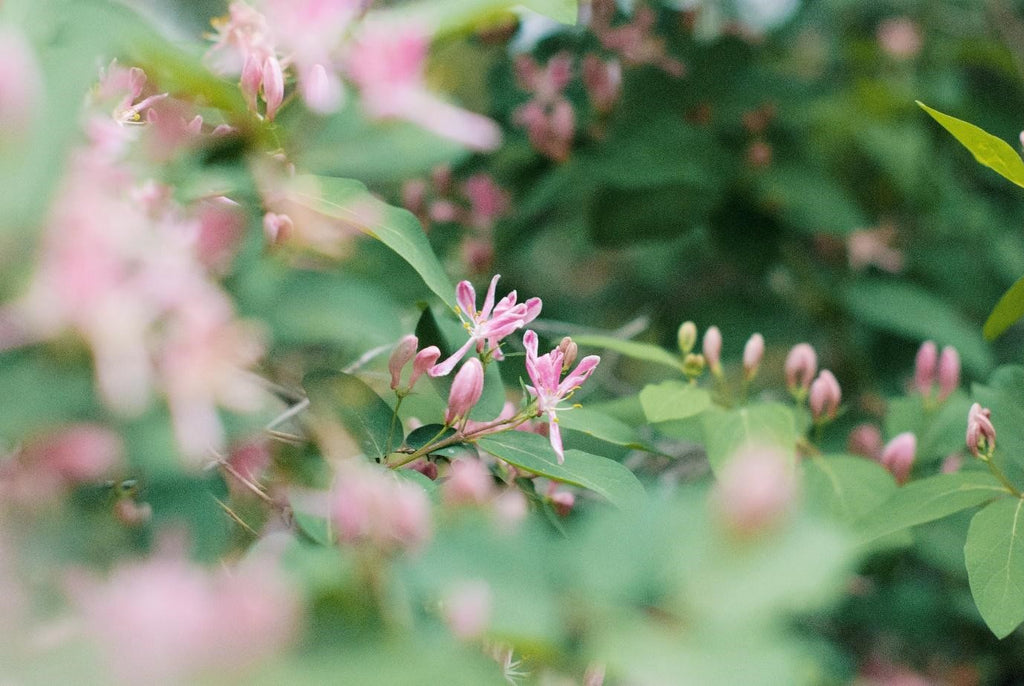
(603, 81)
(469, 482)
(467, 608)
(898, 456)
(872, 247)
(900, 37)
(755, 489)
(635, 41)
(865, 440)
(548, 116)
(21, 83)
(370, 506)
(467, 386)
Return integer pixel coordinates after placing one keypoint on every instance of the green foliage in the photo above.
(995, 564)
(670, 400)
(766, 425)
(348, 400)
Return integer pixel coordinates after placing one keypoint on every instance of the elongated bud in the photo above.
(898, 456)
(569, 351)
(924, 368)
(687, 337)
(825, 397)
(273, 86)
(712, 348)
(981, 434)
(404, 351)
(801, 366)
(753, 352)
(467, 386)
(949, 372)
(424, 360)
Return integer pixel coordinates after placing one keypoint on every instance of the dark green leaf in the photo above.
(345, 398)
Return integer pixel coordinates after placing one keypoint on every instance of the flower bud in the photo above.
(712, 348)
(949, 372)
(865, 440)
(562, 502)
(687, 337)
(753, 352)
(801, 366)
(755, 489)
(570, 351)
(404, 351)
(981, 434)
(273, 86)
(898, 456)
(924, 368)
(426, 468)
(825, 397)
(467, 609)
(693, 365)
(424, 360)
(277, 227)
(469, 482)
(467, 386)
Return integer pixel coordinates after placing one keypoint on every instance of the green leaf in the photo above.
(600, 426)
(670, 400)
(846, 487)
(340, 396)
(634, 349)
(1007, 311)
(929, 499)
(994, 554)
(534, 454)
(348, 201)
(198, 504)
(318, 529)
(911, 311)
(48, 390)
(725, 431)
(994, 153)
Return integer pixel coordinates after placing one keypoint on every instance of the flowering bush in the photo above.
(252, 432)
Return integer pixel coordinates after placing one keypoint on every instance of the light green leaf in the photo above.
(634, 349)
(670, 400)
(453, 15)
(994, 554)
(534, 454)
(994, 153)
(348, 201)
(1007, 311)
(846, 487)
(769, 424)
(929, 499)
(911, 311)
(345, 398)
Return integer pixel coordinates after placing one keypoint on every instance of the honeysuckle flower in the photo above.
(711, 346)
(404, 351)
(488, 325)
(898, 455)
(753, 353)
(924, 367)
(801, 366)
(467, 386)
(755, 489)
(865, 440)
(549, 388)
(825, 397)
(949, 372)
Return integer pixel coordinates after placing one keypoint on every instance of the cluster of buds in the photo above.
(422, 360)
(897, 456)
(634, 41)
(693, 363)
(548, 117)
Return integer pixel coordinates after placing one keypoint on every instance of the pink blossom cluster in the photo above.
(133, 273)
(635, 41)
(373, 507)
(167, 621)
(548, 117)
(326, 42)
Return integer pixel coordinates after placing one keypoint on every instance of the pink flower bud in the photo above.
(755, 489)
(981, 434)
(467, 387)
(949, 372)
(320, 91)
(469, 483)
(563, 502)
(712, 348)
(424, 360)
(865, 440)
(467, 609)
(131, 513)
(404, 351)
(277, 227)
(78, 453)
(426, 468)
(898, 456)
(753, 352)
(801, 366)
(273, 86)
(924, 368)
(825, 396)
(570, 351)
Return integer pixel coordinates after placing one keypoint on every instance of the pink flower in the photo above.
(825, 397)
(549, 388)
(467, 608)
(488, 325)
(949, 372)
(753, 352)
(755, 489)
(20, 82)
(898, 456)
(370, 506)
(801, 366)
(469, 482)
(924, 367)
(981, 434)
(466, 389)
(900, 38)
(865, 440)
(404, 351)
(711, 346)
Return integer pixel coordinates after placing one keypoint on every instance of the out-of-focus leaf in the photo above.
(1007, 311)
(455, 15)
(634, 349)
(767, 425)
(534, 454)
(994, 153)
(348, 201)
(199, 504)
(909, 310)
(340, 396)
(928, 499)
(46, 392)
(810, 200)
(600, 426)
(846, 487)
(671, 400)
(994, 554)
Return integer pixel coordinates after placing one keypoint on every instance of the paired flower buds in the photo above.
(898, 456)
(570, 351)
(981, 434)
(467, 387)
(405, 351)
(929, 365)
(825, 396)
